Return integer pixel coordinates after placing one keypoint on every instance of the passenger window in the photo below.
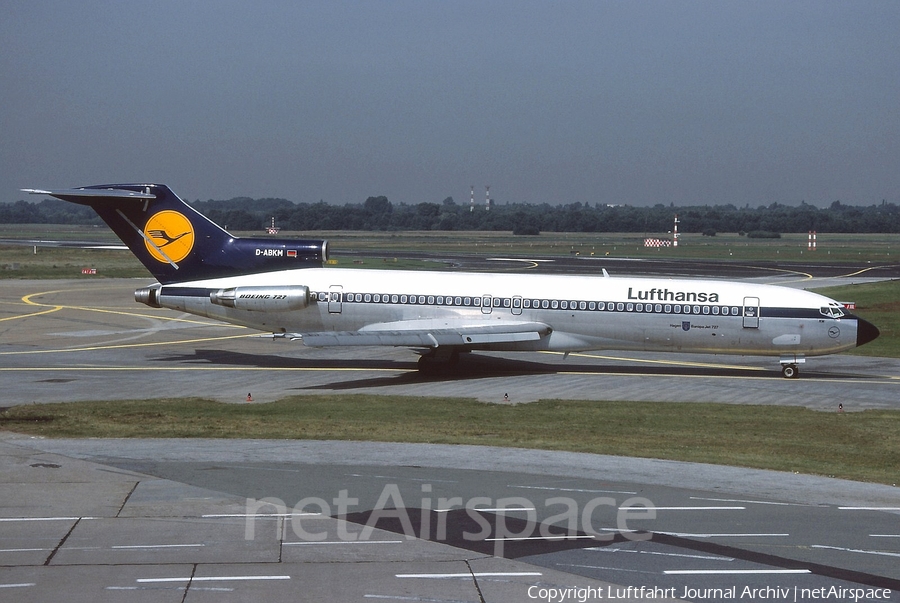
(668, 308)
(677, 308)
(592, 306)
(620, 306)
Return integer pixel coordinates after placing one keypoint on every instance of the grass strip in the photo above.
(879, 303)
(863, 446)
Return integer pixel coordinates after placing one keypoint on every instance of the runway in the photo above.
(108, 520)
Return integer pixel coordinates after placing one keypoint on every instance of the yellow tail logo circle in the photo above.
(169, 236)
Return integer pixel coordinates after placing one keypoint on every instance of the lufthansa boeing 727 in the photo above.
(280, 286)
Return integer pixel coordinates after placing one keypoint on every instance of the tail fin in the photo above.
(177, 243)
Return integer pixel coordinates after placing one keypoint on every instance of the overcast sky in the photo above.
(612, 102)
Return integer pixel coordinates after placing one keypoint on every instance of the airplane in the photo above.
(283, 287)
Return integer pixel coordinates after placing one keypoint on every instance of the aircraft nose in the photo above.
(865, 332)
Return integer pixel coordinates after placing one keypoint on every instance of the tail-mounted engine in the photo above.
(262, 299)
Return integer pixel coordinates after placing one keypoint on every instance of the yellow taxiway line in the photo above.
(38, 313)
(662, 362)
(119, 346)
(27, 299)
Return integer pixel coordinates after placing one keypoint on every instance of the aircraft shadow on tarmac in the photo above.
(224, 358)
(470, 366)
(460, 526)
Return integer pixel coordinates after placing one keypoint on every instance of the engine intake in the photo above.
(262, 299)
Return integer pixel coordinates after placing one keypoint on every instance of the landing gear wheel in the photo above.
(790, 371)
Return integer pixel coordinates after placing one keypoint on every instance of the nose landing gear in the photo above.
(790, 371)
(790, 365)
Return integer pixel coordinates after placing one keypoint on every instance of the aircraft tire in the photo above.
(790, 371)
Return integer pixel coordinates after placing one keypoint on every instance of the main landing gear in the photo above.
(437, 360)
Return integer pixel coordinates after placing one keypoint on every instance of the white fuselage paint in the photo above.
(686, 315)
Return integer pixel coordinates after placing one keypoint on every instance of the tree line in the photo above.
(378, 213)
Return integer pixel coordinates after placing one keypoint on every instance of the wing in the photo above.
(430, 333)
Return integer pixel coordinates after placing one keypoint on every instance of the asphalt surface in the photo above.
(190, 520)
(99, 520)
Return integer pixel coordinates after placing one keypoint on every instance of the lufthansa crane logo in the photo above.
(169, 236)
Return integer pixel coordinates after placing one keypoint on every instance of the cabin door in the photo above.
(751, 312)
(485, 304)
(335, 295)
(517, 305)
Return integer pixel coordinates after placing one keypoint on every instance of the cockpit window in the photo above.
(832, 311)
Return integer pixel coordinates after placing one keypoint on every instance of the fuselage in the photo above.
(580, 312)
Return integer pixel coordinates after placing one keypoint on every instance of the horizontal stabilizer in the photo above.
(91, 193)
